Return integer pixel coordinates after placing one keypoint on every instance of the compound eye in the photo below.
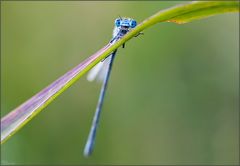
(133, 23)
(117, 22)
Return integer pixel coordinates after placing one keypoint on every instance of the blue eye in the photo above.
(133, 23)
(117, 22)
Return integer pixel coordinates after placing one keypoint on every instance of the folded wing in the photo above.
(99, 71)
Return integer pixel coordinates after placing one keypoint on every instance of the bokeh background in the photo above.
(172, 97)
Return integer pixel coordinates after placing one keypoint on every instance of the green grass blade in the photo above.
(200, 10)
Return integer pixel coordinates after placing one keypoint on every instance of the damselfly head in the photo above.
(125, 22)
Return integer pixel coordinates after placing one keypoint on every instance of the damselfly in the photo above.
(102, 72)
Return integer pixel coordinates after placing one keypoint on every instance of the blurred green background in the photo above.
(172, 98)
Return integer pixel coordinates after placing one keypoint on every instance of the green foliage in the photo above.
(179, 14)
